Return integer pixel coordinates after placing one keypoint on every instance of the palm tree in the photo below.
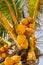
(11, 17)
(11, 14)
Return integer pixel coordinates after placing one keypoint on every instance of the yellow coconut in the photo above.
(4, 55)
(22, 41)
(25, 21)
(21, 29)
(8, 61)
(16, 59)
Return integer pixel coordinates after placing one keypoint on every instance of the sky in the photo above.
(39, 35)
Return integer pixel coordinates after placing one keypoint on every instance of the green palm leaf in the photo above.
(4, 10)
(31, 7)
(2, 29)
(19, 5)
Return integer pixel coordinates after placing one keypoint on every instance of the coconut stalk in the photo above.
(15, 9)
(35, 10)
(5, 41)
(35, 13)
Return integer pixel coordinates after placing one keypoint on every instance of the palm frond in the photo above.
(7, 25)
(5, 11)
(9, 28)
(19, 6)
(41, 6)
(2, 30)
(31, 5)
(33, 10)
(15, 5)
(11, 11)
(15, 9)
